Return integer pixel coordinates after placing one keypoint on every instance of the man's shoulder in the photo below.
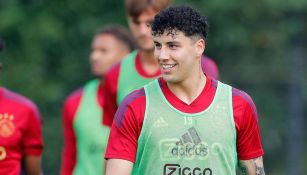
(21, 102)
(74, 96)
(134, 98)
(135, 102)
(19, 99)
(243, 99)
(239, 97)
(242, 95)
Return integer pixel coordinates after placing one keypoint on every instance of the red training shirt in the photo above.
(111, 83)
(129, 118)
(20, 131)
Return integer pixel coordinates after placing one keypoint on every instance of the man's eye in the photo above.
(173, 46)
(158, 45)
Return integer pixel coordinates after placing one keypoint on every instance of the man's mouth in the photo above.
(167, 68)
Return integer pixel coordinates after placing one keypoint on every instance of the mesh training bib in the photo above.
(129, 79)
(91, 135)
(177, 143)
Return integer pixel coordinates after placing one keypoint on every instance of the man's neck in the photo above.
(148, 62)
(190, 88)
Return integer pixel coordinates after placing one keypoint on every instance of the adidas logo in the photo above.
(160, 123)
(189, 137)
(190, 145)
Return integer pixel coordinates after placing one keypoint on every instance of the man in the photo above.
(140, 67)
(85, 138)
(185, 122)
(20, 134)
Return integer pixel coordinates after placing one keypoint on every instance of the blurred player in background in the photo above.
(21, 143)
(85, 138)
(139, 67)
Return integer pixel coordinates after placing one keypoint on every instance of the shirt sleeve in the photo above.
(126, 127)
(246, 120)
(32, 141)
(110, 95)
(69, 137)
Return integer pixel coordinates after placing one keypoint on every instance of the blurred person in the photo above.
(185, 122)
(139, 67)
(21, 143)
(85, 138)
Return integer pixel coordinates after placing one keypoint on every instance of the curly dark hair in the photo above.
(180, 18)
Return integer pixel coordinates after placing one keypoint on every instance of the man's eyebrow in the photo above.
(172, 42)
(157, 43)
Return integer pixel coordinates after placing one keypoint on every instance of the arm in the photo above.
(249, 146)
(33, 144)
(32, 165)
(69, 138)
(118, 167)
(122, 145)
(252, 166)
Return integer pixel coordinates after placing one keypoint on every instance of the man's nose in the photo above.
(94, 55)
(163, 54)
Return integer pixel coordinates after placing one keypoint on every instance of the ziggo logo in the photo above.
(176, 169)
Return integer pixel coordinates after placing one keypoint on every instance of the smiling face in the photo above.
(178, 55)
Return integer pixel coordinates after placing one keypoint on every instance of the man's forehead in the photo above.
(171, 35)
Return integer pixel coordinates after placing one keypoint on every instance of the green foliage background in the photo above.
(48, 44)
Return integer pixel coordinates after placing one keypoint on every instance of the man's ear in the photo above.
(200, 47)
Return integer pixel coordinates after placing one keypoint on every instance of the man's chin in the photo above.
(168, 79)
(98, 73)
